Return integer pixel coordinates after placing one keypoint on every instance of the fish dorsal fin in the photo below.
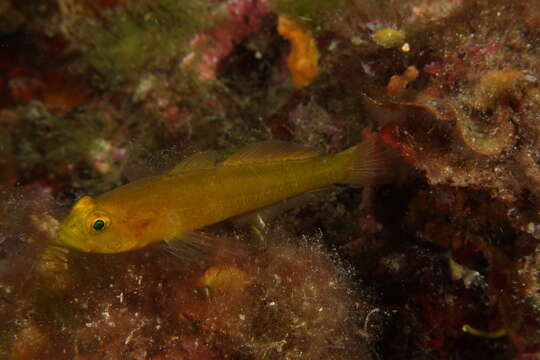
(197, 161)
(270, 151)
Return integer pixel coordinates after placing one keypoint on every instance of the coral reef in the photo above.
(442, 253)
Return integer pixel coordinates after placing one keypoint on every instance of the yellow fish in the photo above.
(200, 192)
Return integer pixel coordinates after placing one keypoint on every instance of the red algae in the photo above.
(244, 19)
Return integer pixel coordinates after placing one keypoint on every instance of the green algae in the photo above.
(141, 37)
(389, 38)
(310, 12)
(44, 138)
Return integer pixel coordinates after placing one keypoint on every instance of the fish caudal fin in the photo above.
(367, 161)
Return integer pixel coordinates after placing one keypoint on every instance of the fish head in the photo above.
(90, 227)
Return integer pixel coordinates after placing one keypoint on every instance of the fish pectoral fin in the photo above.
(196, 248)
(270, 151)
(197, 161)
(189, 246)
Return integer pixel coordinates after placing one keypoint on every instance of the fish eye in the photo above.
(97, 222)
(99, 225)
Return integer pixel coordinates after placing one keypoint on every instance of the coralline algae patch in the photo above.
(265, 304)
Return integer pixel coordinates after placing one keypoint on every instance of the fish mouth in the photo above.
(66, 238)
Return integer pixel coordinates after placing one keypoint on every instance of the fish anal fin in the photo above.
(259, 219)
(197, 161)
(270, 151)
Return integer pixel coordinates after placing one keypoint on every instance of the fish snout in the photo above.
(69, 237)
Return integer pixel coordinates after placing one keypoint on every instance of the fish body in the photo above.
(199, 192)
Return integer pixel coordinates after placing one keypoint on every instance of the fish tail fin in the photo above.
(367, 161)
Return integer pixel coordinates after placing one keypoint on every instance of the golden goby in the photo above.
(199, 192)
